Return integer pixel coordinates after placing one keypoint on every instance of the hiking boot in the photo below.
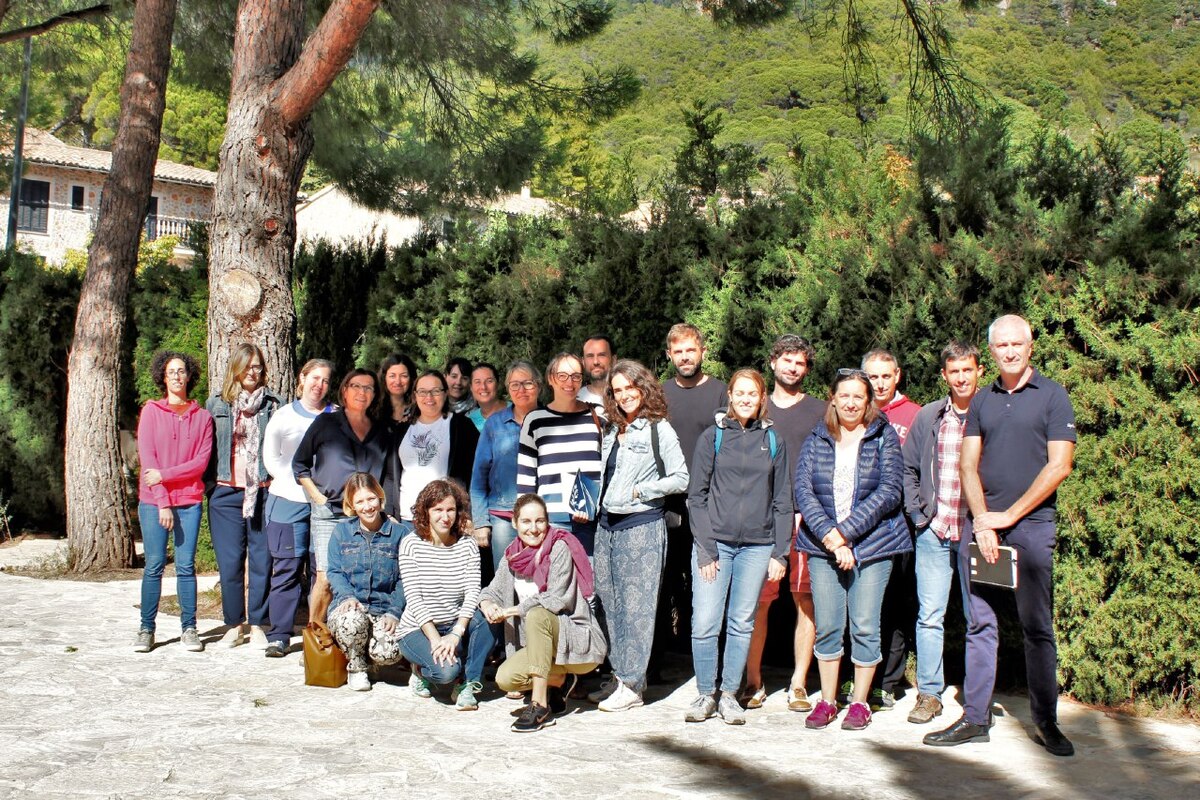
(533, 718)
(798, 700)
(419, 686)
(928, 706)
(190, 639)
(821, 716)
(608, 687)
(464, 696)
(702, 708)
(622, 699)
(857, 718)
(358, 681)
(144, 642)
(729, 710)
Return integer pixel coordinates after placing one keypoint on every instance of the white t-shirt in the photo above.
(845, 474)
(424, 457)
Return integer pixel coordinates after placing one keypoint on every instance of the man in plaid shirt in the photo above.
(934, 503)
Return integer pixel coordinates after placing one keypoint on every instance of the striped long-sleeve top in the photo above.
(553, 447)
(441, 584)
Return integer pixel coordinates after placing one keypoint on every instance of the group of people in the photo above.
(617, 498)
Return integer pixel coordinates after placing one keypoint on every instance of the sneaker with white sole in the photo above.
(464, 696)
(190, 639)
(622, 699)
(144, 642)
(358, 681)
(258, 637)
(730, 709)
(702, 708)
(419, 686)
(608, 687)
(276, 649)
(232, 638)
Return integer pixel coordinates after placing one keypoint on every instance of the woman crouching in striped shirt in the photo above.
(439, 568)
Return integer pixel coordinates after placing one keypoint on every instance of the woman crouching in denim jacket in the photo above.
(641, 463)
(364, 576)
(848, 487)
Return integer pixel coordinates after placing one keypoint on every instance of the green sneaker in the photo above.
(419, 686)
(464, 696)
(880, 700)
(843, 697)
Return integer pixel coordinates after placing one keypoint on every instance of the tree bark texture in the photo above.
(99, 531)
(277, 79)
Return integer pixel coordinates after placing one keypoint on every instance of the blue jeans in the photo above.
(154, 543)
(503, 534)
(235, 537)
(479, 641)
(857, 592)
(740, 576)
(934, 560)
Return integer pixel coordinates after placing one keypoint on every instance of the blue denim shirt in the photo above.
(222, 414)
(494, 477)
(363, 566)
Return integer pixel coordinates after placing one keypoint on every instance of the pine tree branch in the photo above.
(50, 24)
(323, 58)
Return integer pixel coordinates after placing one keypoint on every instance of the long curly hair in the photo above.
(654, 402)
(434, 493)
(158, 369)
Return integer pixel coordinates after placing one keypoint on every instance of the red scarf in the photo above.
(533, 563)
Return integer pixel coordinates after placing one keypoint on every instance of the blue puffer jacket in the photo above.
(875, 528)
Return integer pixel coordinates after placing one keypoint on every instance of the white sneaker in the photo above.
(622, 699)
(608, 687)
(358, 681)
(258, 637)
(232, 637)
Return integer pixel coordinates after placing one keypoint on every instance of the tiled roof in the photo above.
(44, 148)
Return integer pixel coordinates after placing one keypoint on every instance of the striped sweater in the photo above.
(553, 447)
(441, 584)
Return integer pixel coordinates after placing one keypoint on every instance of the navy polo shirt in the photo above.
(1015, 428)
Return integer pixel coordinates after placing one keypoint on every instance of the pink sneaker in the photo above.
(857, 718)
(821, 716)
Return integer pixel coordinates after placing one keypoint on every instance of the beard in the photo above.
(788, 382)
(687, 370)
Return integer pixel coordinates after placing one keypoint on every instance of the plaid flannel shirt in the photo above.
(951, 511)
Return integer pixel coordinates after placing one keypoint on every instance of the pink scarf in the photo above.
(533, 563)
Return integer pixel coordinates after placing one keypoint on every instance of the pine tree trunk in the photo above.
(277, 79)
(99, 530)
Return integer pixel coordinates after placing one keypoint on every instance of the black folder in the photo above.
(1003, 573)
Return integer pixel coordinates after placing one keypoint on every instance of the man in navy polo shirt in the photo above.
(1018, 447)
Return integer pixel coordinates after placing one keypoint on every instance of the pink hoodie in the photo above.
(178, 447)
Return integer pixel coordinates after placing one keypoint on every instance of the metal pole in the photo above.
(14, 199)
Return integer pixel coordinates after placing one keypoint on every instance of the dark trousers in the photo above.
(235, 538)
(1034, 543)
(898, 623)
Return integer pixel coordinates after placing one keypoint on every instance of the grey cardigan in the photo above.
(580, 635)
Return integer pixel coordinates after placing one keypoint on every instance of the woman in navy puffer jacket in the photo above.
(848, 492)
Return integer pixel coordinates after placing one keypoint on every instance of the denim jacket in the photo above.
(636, 469)
(494, 477)
(222, 414)
(363, 566)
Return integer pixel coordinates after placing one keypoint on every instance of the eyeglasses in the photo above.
(430, 392)
(177, 373)
(361, 387)
(847, 372)
(522, 386)
(569, 377)
(255, 368)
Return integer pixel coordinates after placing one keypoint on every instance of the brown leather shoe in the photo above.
(925, 710)
(798, 700)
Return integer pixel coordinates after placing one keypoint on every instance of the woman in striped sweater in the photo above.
(558, 441)
(439, 568)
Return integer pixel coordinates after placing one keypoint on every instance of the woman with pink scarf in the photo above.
(237, 502)
(542, 592)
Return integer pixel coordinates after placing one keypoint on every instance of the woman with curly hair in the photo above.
(439, 568)
(236, 503)
(642, 463)
(174, 444)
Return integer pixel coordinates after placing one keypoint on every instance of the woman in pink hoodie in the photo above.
(174, 443)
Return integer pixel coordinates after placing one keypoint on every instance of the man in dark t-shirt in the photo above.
(1017, 448)
(795, 414)
(693, 400)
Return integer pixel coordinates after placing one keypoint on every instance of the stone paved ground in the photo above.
(83, 716)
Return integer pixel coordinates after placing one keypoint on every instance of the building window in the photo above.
(77, 198)
(33, 212)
